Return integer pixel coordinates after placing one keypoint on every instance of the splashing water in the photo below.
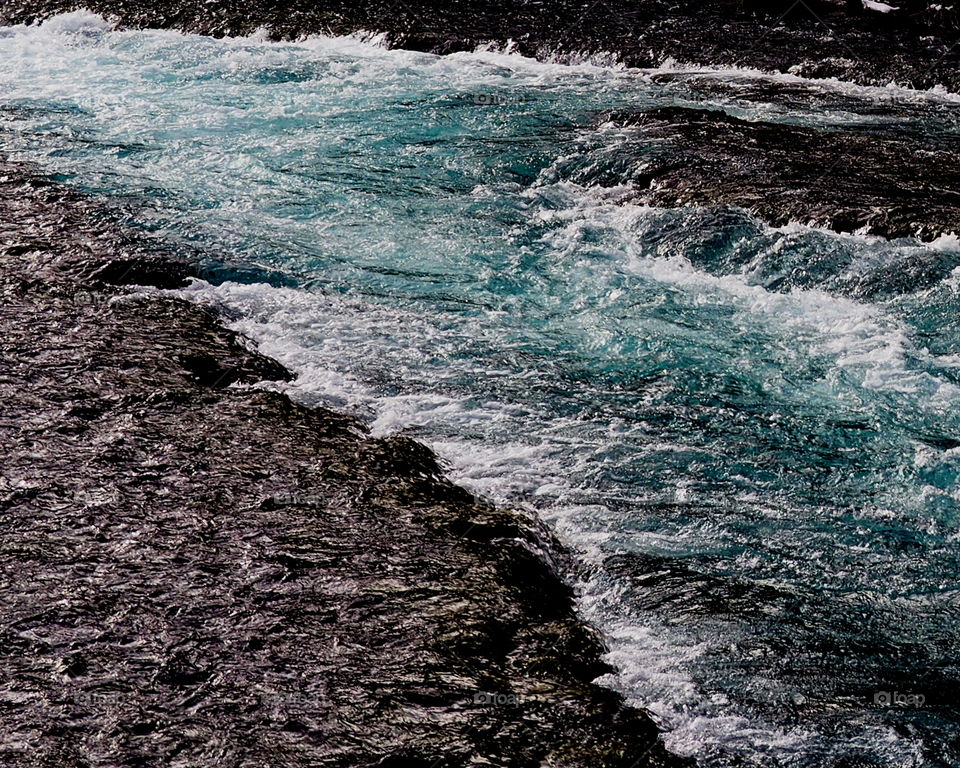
(755, 464)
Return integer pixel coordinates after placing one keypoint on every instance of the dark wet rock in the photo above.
(844, 180)
(162, 273)
(202, 575)
(666, 585)
(915, 44)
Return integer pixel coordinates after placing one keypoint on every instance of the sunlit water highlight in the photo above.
(756, 465)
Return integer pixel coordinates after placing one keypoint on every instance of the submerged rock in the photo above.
(203, 574)
(881, 184)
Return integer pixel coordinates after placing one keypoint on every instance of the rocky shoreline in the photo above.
(197, 574)
(913, 42)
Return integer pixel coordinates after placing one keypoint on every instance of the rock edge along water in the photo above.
(203, 575)
(865, 180)
(914, 43)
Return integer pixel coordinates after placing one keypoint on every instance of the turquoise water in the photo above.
(749, 436)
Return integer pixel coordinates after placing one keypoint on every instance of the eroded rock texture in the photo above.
(877, 182)
(202, 575)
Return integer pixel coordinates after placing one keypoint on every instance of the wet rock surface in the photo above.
(865, 180)
(197, 574)
(914, 42)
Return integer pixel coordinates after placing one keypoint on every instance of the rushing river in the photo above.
(748, 436)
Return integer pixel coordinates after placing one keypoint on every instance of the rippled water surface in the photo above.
(749, 436)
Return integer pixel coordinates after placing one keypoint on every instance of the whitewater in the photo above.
(748, 436)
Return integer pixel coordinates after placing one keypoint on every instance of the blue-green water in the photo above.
(749, 436)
